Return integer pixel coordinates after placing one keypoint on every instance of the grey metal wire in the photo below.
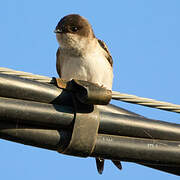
(26, 75)
(146, 102)
(115, 95)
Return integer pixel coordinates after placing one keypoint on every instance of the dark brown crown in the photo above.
(75, 24)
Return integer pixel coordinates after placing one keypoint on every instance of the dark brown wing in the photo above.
(104, 46)
(58, 62)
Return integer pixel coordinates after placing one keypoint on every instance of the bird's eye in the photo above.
(74, 28)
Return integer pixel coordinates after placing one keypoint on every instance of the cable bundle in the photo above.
(43, 115)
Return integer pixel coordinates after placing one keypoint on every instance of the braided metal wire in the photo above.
(115, 95)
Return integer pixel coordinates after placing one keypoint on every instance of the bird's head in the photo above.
(72, 30)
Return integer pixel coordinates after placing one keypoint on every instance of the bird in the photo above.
(82, 56)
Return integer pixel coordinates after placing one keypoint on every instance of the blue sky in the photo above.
(144, 40)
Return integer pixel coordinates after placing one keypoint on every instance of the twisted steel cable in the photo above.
(26, 75)
(115, 95)
(146, 102)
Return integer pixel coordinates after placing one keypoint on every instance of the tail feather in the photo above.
(117, 164)
(100, 165)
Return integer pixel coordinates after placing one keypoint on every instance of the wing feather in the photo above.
(104, 46)
(58, 68)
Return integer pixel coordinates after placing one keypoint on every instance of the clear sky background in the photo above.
(144, 40)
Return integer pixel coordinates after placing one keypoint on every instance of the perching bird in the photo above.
(82, 56)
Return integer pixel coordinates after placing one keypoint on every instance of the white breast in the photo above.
(92, 66)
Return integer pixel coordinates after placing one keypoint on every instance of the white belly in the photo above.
(92, 68)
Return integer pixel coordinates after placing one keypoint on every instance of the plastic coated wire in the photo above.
(115, 95)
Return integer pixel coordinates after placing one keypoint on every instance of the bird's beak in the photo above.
(57, 31)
